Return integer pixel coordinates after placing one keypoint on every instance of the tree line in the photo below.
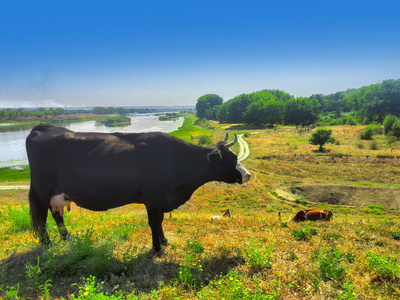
(41, 112)
(366, 105)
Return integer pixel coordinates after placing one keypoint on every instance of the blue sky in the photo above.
(172, 52)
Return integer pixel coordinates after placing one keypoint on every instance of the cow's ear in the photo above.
(214, 155)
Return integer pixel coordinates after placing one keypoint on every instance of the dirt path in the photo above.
(14, 187)
(244, 151)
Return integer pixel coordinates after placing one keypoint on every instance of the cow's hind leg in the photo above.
(60, 224)
(163, 239)
(38, 211)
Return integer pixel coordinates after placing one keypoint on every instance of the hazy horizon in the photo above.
(170, 53)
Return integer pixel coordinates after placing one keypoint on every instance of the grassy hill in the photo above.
(255, 254)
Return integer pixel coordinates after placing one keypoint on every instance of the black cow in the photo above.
(99, 171)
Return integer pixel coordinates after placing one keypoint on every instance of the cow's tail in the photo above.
(38, 212)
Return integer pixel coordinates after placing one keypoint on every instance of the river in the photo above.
(12, 138)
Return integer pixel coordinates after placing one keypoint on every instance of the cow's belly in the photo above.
(102, 203)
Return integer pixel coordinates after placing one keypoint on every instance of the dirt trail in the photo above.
(14, 187)
(244, 151)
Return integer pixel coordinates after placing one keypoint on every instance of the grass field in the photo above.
(255, 254)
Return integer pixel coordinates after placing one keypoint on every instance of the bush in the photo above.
(373, 145)
(321, 137)
(366, 133)
(205, 140)
(388, 123)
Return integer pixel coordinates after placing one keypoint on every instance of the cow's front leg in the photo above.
(59, 218)
(156, 216)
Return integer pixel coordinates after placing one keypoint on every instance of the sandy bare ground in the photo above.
(356, 196)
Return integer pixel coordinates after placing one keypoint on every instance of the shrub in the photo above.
(391, 140)
(321, 137)
(196, 247)
(396, 234)
(301, 201)
(205, 140)
(373, 145)
(388, 123)
(366, 133)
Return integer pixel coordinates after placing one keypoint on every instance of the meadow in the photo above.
(255, 254)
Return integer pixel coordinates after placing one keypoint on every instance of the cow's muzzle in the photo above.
(245, 174)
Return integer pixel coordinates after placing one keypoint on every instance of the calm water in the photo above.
(12, 138)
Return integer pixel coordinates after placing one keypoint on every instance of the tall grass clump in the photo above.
(81, 254)
(93, 290)
(19, 218)
(329, 264)
(190, 271)
(258, 255)
(234, 286)
(304, 234)
(374, 209)
(383, 266)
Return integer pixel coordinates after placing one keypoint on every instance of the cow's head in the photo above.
(226, 164)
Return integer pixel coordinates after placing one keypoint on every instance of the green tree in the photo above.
(301, 111)
(321, 137)
(206, 102)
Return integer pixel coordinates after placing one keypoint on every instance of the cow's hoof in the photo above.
(159, 253)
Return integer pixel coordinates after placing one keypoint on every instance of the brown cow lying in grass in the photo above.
(313, 215)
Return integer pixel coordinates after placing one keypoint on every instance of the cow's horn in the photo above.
(226, 138)
(233, 142)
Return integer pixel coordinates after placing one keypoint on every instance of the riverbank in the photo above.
(32, 120)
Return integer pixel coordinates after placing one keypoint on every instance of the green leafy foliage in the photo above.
(92, 290)
(9, 174)
(329, 263)
(206, 106)
(384, 266)
(321, 137)
(304, 234)
(18, 217)
(258, 255)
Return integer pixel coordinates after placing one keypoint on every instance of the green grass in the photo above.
(255, 254)
(189, 131)
(8, 174)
